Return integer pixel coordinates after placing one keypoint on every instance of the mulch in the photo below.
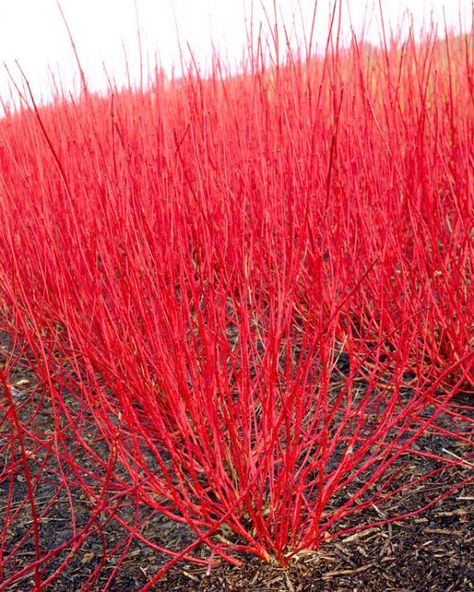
(433, 552)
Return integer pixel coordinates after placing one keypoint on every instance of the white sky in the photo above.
(33, 33)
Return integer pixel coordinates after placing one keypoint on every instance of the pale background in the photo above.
(33, 33)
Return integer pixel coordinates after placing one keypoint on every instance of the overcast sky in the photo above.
(33, 32)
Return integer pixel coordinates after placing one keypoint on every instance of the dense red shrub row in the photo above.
(257, 288)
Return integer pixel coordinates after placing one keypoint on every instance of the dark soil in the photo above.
(433, 551)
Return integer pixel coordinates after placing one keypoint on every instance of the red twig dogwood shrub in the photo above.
(256, 288)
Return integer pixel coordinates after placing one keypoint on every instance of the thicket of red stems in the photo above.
(259, 286)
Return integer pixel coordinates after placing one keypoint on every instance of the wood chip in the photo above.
(446, 531)
(347, 572)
